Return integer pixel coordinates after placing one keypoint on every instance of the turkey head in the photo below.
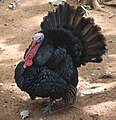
(37, 40)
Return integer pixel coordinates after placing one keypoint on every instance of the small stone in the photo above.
(98, 68)
(107, 74)
(13, 98)
(92, 74)
(36, 98)
(4, 106)
(24, 114)
(12, 5)
(86, 83)
(110, 41)
(1, 84)
(1, 91)
(55, 2)
(13, 84)
(11, 90)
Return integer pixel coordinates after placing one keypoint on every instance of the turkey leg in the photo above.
(47, 108)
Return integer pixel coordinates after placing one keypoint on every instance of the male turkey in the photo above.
(66, 41)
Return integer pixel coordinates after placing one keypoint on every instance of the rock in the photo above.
(1, 91)
(13, 84)
(12, 5)
(24, 114)
(11, 90)
(1, 84)
(13, 98)
(98, 68)
(4, 106)
(92, 74)
(110, 41)
(107, 74)
(56, 2)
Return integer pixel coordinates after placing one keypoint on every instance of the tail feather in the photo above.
(66, 17)
(59, 15)
(54, 20)
(45, 24)
(50, 21)
(93, 31)
(87, 32)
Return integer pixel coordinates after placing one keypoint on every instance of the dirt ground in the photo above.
(96, 99)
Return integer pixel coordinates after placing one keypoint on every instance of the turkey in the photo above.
(66, 41)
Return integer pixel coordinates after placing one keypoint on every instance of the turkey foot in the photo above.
(47, 107)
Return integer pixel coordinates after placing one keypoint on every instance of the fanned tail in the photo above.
(67, 18)
(64, 16)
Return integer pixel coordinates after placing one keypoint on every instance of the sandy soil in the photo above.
(96, 99)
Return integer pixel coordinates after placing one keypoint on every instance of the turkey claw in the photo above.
(46, 109)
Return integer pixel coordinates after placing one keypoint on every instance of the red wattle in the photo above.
(30, 54)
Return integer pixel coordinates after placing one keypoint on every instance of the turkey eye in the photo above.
(39, 39)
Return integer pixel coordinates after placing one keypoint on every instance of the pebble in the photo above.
(55, 2)
(11, 90)
(92, 74)
(24, 114)
(107, 74)
(110, 41)
(12, 5)
(4, 106)
(1, 91)
(1, 84)
(98, 68)
(13, 84)
(14, 98)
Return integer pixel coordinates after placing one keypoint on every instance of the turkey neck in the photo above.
(31, 53)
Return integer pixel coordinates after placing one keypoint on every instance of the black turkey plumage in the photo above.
(66, 41)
